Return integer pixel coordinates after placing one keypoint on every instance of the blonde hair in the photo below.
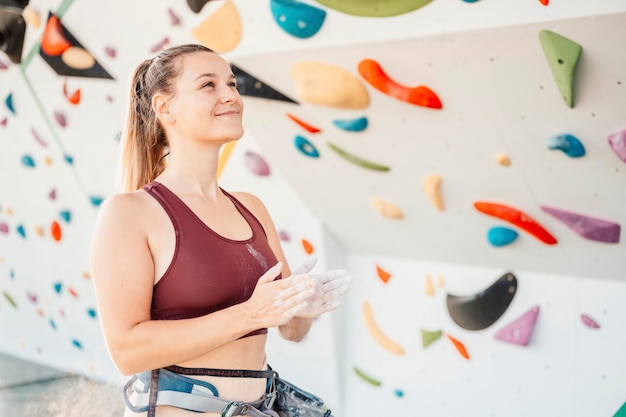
(144, 142)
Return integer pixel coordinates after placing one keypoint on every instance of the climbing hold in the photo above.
(96, 200)
(52, 195)
(74, 98)
(544, 2)
(221, 31)
(382, 274)
(91, 312)
(432, 184)
(110, 51)
(428, 337)
(10, 299)
(378, 335)
(617, 142)
(304, 125)
(358, 160)
(429, 289)
(55, 230)
(569, 144)
(328, 85)
(39, 231)
(398, 393)
(66, 215)
(306, 147)
(9, 103)
(517, 218)
(307, 246)
(3, 66)
(482, 309)
(159, 46)
(174, 19)
(4, 121)
(284, 236)
(563, 55)
(53, 41)
(28, 161)
(501, 236)
(296, 18)
(352, 125)
(58, 286)
(196, 5)
(386, 209)
(77, 343)
(470, 1)
(4, 227)
(440, 281)
(373, 73)
(460, 347)
(78, 58)
(38, 138)
(60, 118)
(589, 322)
(32, 297)
(68, 158)
(248, 85)
(503, 159)
(72, 292)
(52, 324)
(367, 378)
(588, 227)
(256, 164)
(374, 8)
(520, 330)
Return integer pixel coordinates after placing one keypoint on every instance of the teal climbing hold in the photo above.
(52, 324)
(297, 19)
(28, 161)
(96, 200)
(66, 215)
(569, 144)
(57, 287)
(306, 147)
(91, 312)
(68, 159)
(77, 343)
(352, 125)
(501, 236)
(9, 103)
(21, 231)
(563, 55)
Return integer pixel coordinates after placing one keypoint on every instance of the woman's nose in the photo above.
(228, 94)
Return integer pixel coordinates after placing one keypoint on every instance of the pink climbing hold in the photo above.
(3, 122)
(521, 329)
(589, 322)
(588, 227)
(4, 227)
(617, 141)
(60, 118)
(256, 164)
(52, 195)
(174, 19)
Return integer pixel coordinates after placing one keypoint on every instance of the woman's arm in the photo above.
(123, 275)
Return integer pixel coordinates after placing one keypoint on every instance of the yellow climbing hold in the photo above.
(440, 281)
(386, 209)
(432, 185)
(78, 58)
(503, 159)
(329, 85)
(221, 31)
(429, 289)
(377, 333)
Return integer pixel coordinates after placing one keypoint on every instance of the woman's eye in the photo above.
(209, 84)
(233, 85)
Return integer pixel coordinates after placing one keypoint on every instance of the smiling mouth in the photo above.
(229, 113)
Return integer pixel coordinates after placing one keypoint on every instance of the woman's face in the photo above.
(206, 105)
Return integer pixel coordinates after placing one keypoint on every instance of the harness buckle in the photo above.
(231, 408)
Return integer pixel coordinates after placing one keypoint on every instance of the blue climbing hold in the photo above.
(306, 147)
(569, 144)
(68, 159)
(66, 215)
(9, 102)
(353, 125)
(77, 343)
(95, 200)
(28, 161)
(501, 236)
(58, 287)
(297, 19)
(20, 229)
(91, 312)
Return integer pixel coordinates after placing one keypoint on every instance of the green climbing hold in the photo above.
(563, 55)
(429, 337)
(374, 8)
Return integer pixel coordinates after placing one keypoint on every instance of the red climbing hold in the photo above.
(53, 42)
(517, 218)
(421, 95)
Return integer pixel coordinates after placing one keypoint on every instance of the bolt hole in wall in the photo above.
(419, 110)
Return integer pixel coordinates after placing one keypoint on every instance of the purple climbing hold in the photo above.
(256, 164)
(4, 228)
(3, 66)
(60, 118)
(587, 227)
(589, 322)
(520, 330)
(617, 141)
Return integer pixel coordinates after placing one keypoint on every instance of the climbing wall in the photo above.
(464, 159)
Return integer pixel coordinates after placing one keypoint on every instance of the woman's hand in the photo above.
(275, 302)
(329, 287)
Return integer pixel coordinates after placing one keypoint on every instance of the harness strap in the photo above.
(229, 373)
(154, 391)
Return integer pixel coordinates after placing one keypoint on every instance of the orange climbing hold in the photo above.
(304, 125)
(518, 218)
(55, 230)
(307, 246)
(74, 98)
(53, 42)
(459, 346)
(382, 274)
(544, 2)
(420, 95)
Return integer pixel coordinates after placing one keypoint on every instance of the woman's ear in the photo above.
(162, 108)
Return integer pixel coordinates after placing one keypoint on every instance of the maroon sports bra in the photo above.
(208, 272)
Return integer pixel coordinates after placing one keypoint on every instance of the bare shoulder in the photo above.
(124, 206)
(252, 203)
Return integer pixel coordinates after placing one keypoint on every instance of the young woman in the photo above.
(188, 276)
